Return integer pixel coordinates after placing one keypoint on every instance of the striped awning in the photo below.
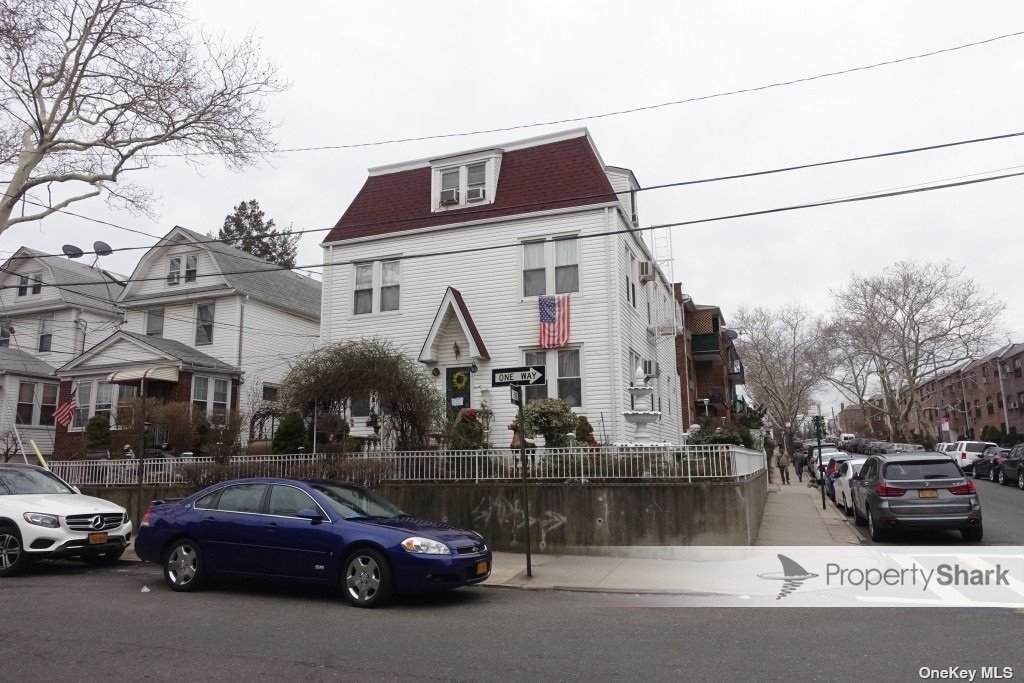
(165, 373)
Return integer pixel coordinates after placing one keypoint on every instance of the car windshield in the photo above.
(921, 469)
(353, 503)
(17, 481)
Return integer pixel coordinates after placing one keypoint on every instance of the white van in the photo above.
(845, 439)
(966, 452)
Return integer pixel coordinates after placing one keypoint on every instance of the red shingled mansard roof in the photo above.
(556, 175)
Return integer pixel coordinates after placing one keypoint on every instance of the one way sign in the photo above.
(505, 377)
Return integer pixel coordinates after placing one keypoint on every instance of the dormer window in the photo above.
(463, 182)
(33, 282)
(174, 267)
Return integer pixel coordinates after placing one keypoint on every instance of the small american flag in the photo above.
(64, 413)
(554, 320)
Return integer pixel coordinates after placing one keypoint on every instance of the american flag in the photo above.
(554, 320)
(64, 413)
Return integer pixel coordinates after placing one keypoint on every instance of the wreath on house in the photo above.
(459, 380)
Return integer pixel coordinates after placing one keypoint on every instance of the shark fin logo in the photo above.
(792, 575)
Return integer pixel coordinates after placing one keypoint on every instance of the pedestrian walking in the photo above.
(799, 461)
(783, 462)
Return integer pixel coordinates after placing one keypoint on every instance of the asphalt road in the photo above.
(65, 622)
(1002, 510)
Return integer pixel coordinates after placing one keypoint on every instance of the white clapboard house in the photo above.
(449, 257)
(51, 309)
(204, 323)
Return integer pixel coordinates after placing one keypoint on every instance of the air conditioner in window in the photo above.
(651, 369)
(646, 272)
(1014, 406)
(449, 197)
(173, 278)
(475, 194)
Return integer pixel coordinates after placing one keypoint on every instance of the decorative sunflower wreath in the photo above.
(459, 380)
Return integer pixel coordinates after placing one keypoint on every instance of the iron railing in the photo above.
(678, 463)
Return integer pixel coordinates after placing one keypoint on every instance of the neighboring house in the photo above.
(51, 308)
(205, 323)
(543, 216)
(708, 361)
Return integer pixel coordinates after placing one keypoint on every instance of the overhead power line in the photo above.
(631, 110)
(662, 186)
(696, 221)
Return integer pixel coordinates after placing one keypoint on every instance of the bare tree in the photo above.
(782, 351)
(93, 89)
(8, 445)
(912, 321)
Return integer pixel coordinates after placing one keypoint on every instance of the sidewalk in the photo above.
(792, 517)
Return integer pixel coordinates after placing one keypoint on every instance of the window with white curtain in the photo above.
(200, 392)
(83, 399)
(363, 295)
(564, 370)
(104, 399)
(390, 285)
(570, 380)
(534, 391)
(551, 266)
(377, 287)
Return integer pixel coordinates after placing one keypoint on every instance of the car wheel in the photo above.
(847, 510)
(367, 578)
(876, 534)
(992, 474)
(102, 559)
(183, 566)
(12, 556)
(1002, 478)
(976, 474)
(1020, 479)
(973, 535)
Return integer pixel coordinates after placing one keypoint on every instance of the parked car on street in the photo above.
(926, 490)
(44, 517)
(832, 469)
(966, 452)
(841, 485)
(814, 459)
(315, 531)
(1012, 468)
(987, 466)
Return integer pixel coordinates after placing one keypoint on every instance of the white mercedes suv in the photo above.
(42, 516)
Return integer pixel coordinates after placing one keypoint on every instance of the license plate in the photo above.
(927, 493)
(481, 567)
(100, 537)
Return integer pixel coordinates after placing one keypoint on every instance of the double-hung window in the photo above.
(83, 400)
(46, 333)
(33, 282)
(563, 367)
(48, 403)
(271, 392)
(104, 399)
(174, 270)
(204, 323)
(220, 397)
(191, 267)
(459, 186)
(450, 187)
(200, 393)
(377, 287)
(551, 266)
(631, 278)
(155, 322)
(476, 179)
(5, 333)
(26, 403)
(359, 405)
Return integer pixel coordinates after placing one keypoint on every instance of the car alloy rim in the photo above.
(362, 579)
(871, 524)
(992, 475)
(182, 565)
(1002, 477)
(1020, 480)
(10, 550)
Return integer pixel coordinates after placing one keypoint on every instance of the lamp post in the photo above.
(706, 402)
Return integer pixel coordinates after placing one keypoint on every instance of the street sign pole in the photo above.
(818, 419)
(526, 492)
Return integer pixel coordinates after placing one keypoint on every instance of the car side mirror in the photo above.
(312, 515)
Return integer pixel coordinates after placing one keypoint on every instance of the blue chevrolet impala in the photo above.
(315, 531)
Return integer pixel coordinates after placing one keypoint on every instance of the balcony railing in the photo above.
(705, 343)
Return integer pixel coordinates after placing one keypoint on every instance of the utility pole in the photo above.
(1006, 415)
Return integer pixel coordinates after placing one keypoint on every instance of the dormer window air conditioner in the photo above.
(475, 194)
(651, 369)
(449, 197)
(646, 272)
(173, 278)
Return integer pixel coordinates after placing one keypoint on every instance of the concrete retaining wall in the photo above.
(571, 518)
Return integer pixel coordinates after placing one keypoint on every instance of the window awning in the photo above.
(167, 373)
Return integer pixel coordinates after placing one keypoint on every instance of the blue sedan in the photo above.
(315, 531)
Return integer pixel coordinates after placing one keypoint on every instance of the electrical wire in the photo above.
(631, 110)
(629, 230)
(486, 209)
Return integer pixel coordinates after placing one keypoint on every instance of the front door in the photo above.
(457, 388)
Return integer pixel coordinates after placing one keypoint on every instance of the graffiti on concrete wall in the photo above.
(508, 514)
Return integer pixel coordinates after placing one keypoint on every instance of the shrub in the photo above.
(465, 431)
(585, 431)
(552, 418)
(97, 432)
(290, 435)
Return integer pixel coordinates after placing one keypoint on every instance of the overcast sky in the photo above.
(366, 71)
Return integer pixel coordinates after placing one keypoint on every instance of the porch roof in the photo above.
(18, 362)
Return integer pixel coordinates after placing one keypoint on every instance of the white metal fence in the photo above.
(680, 463)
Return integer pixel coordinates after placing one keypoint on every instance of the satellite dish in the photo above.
(71, 251)
(102, 249)
(731, 334)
